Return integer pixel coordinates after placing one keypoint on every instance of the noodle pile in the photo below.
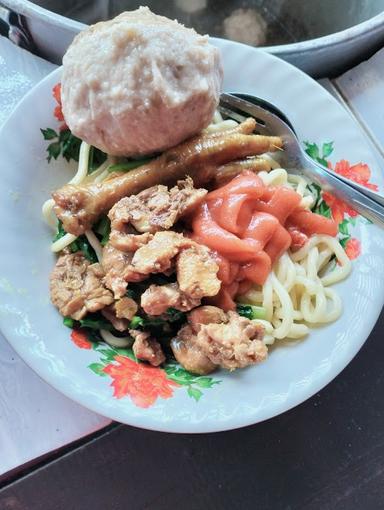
(297, 292)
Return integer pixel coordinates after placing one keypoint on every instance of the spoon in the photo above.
(271, 121)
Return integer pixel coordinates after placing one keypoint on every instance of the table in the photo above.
(326, 453)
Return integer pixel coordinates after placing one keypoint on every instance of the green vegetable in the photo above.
(161, 322)
(96, 158)
(174, 315)
(129, 165)
(70, 323)
(103, 228)
(251, 311)
(316, 192)
(96, 321)
(324, 210)
(82, 244)
(136, 322)
(60, 232)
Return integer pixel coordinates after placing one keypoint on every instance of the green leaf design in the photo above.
(312, 150)
(183, 374)
(344, 241)
(194, 393)
(108, 354)
(191, 382)
(97, 368)
(322, 161)
(49, 133)
(53, 150)
(206, 382)
(327, 149)
(343, 227)
(125, 352)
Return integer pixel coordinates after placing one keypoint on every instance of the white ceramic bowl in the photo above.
(151, 398)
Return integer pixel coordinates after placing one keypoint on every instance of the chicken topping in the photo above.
(236, 343)
(215, 338)
(157, 256)
(158, 298)
(155, 208)
(128, 241)
(146, 348)
(118, 270)
(197, 272)
(206, 315)
(125, 308)
(189, 354)
(76, 286)
(110, 314)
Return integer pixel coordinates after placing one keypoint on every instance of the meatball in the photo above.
(139, 83)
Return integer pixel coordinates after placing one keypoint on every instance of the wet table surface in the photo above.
(327, 453)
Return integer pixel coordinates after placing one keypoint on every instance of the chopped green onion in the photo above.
(129, 165)
(251, 311)
(70, 323)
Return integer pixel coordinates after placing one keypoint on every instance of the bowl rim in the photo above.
(28, 8)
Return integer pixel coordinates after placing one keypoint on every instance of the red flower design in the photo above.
(359, 173)
(353, 248)
(80, 339)
(58, 112)
(338, 207)
(143, 383)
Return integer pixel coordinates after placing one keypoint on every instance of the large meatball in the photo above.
(139, 83)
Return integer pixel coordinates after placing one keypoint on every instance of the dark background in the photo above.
(326, 454)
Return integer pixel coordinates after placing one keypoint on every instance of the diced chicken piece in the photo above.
(189, 354)
(158, 298)
(125, 308)
(118, 270)
(127, 241)
(157, 256)
(197, 272)
(234, 344)
(118, 323)
(206, 315)
(146, 348)
(154, 209)
(77, 287)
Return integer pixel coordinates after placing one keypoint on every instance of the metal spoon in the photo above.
(271, 121)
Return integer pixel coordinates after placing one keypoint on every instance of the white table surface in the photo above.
(34, 418)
